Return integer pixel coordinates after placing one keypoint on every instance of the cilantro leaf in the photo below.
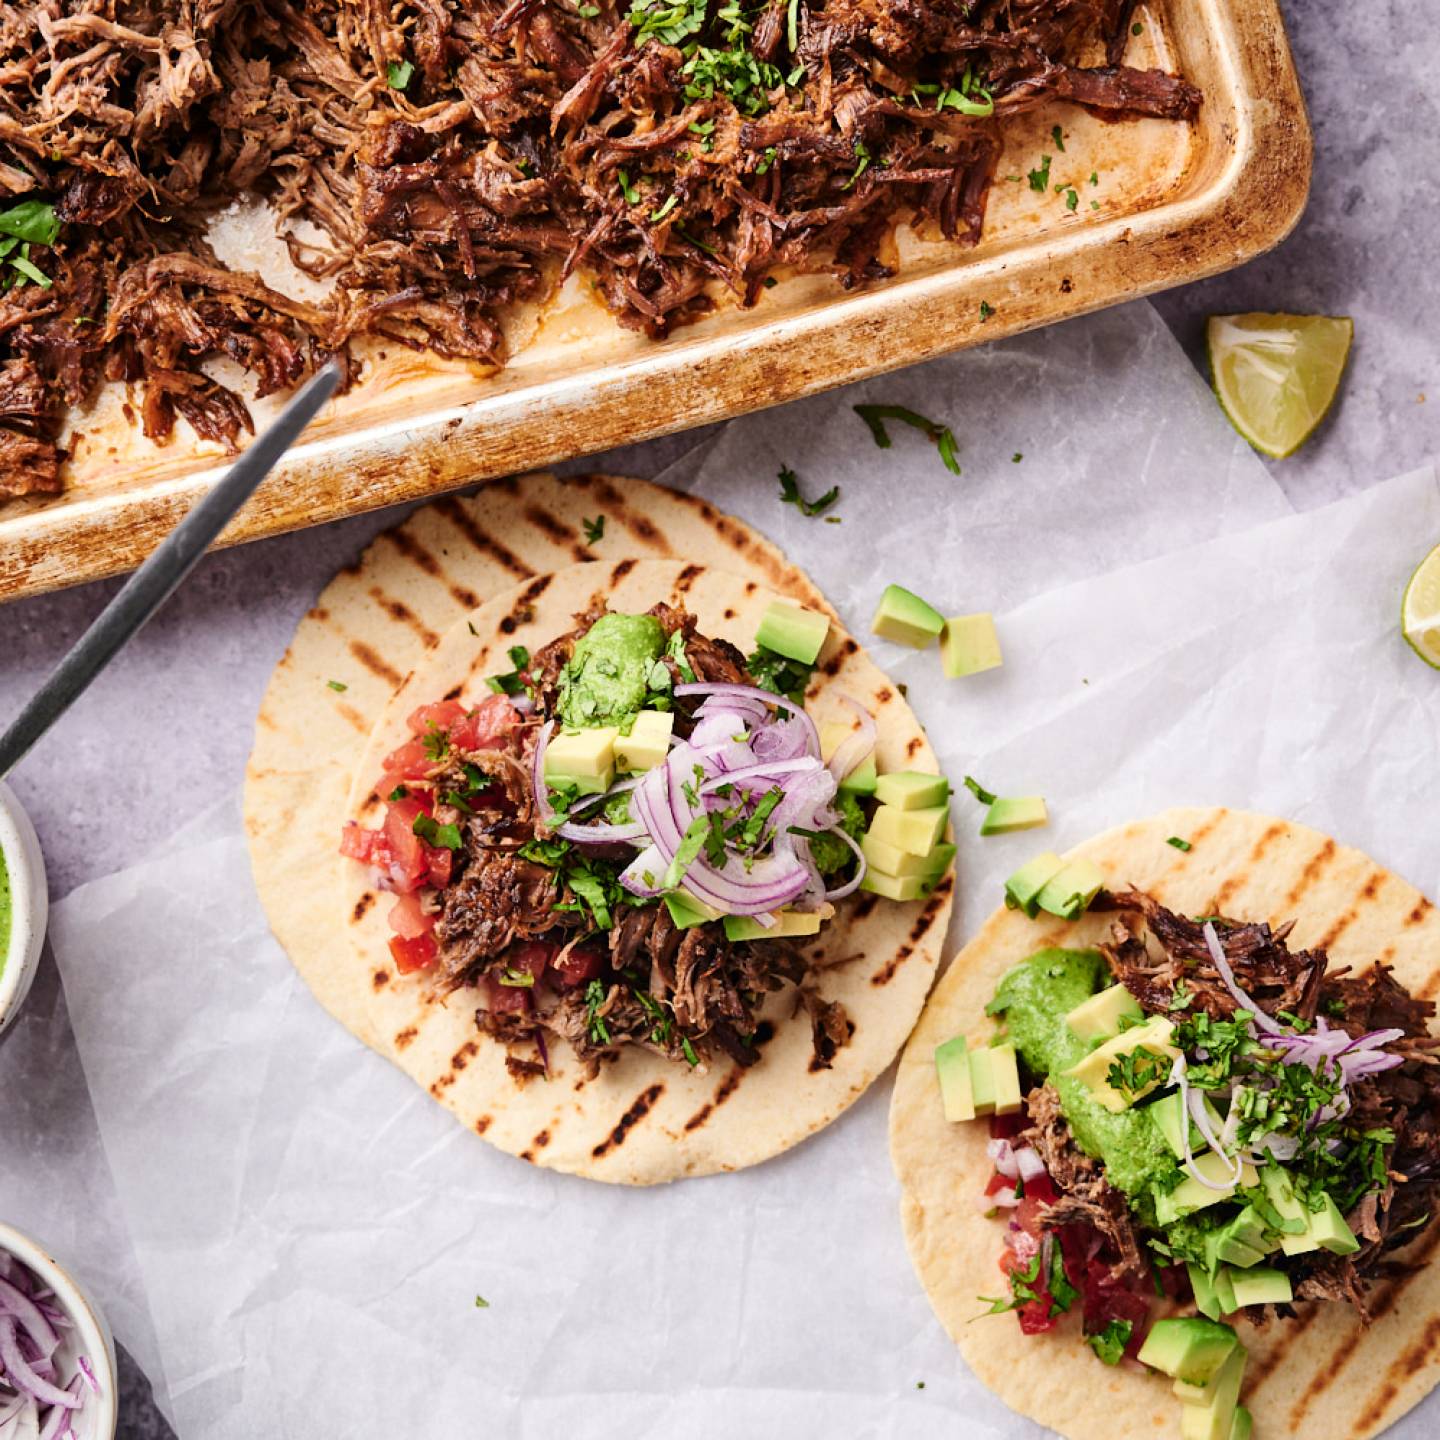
(875, 417)
(594, 529)
(398, 74)
(445, 837)
(984, 796)
(790, 494)
(1040, 178)
(1110, 1343)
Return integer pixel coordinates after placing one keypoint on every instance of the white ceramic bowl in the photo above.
(90, 1336)
(29, 905)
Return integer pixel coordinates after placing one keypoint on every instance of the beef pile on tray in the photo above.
(451, 158)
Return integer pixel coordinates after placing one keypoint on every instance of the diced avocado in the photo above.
(905, 618)
(1286, 1204)
(1212, 1420)
(788, 924)
(861, 780)
(1206, 1301)
(952, 1067)
(1329, 1228)
(1242, 1424)
(1191, 1194)
(1166, 1113)
(894, 861)
(968, 645)
(1069, 893)
(1022, 889)
(982, 1080)
(916, 832)
(1025, 812)
(1153, 1038)
(1225, 1291)
(1188, 1348)
(1236, 1254)
(584, 758)
(1100, 1016)
(1241, 1241)
(896, 887)
(648, 742)
(1261, 1285)
(792, 631)
(912, 790)
(1005, 1073)
(686, 911)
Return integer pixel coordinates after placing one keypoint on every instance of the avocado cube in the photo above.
(982, 1081)
(1191, 1195)
(1188, 1348)
(792, 631)
(1212, 1421)
(1261, 1285)
(1242, 1424)
(1329, 1228)
(912, 790)
(1166, 1112)
(891, 860)
(648, 742)
(968, 645)
(789, 924)
(896, 887)
(905, 618)
(584, 758)
(952, 1068)
(1242, 1240)
(860, 780)
(1069, 893)
(686, 911)
(1099, 1017)
(1005, 817)
(916, 832)
(1022, 889)
(1153, 1038)
(1005, 1073)
(1206, 1301)
(1287, 1205)
(1225, 1291)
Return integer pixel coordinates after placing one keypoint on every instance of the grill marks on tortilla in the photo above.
(727, 1087)
(1367, 894)
(918, 931)
(522, 612)
(1313, 866)
(1232, 887)
(377, 665)
(483, 543)
(400, 612)
(641, 1107)
(1404, 1367)
(1328, 1371)
(361, 906)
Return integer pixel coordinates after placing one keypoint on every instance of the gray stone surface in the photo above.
(169, 725)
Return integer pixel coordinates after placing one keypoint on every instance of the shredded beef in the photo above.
(437, 162)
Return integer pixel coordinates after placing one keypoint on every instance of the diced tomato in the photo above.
(443, 715)
(1034, 1315)
(409, 919)
(441, 863)
(486, 724)
(531, 958)
(504, 998)
(412, 955)
(578, 966)
(1028, 1212)
(366, 846)
(1042, 1188)
(410, 761)
(408, 863)
(997, 1182)
(1007, 1127)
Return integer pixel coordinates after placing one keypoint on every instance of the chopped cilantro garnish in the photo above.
(550, 853)
(514, 682)
(1110, 1343)
(33, 221)
(587, 12)
(516, 979)
(862, 164)
(1058, 138)
(398, 793)
(1137, 1069)
(629, 191)
(446, 837)
(766, 161)
(1178, 843)
(984, 796)
(986, 309)
(1016, 458)
(1137, 28)
(338, 685)
(875, 417)
(481, 1303)
(657, 215)
(1062, 1291)
(1040, 178)
(1072, 198)
(669, 24)
(398, 74)
(1094, 177)
(688, 1050)
(436, 743)
(685, 854)
(790, 494)
(594, 1022)
(594, 532)
(778, 673)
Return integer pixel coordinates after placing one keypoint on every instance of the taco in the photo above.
(605, 894)
(1207, 1158)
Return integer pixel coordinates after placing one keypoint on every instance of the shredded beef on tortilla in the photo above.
(433, 163)
(692, 995)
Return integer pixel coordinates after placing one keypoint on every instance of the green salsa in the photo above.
(5, 908)
(1034, 999)
(608, 678)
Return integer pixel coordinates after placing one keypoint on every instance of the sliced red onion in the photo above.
(1032, 1167)
(782, 740)
(29, 1317)
(771, 770)
(862, 865)
(1278, 1147)
(765, 697)
(1002, 1157)
(1195, 1107)
(601, 834)
(648, 862)
(543, 808)
(1227, 977)
(855, 749)
(23, 1377)
(523, 704)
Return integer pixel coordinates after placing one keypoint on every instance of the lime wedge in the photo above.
(1276, 375)
(1420, 610)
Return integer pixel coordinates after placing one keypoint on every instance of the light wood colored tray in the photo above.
(1173, 203)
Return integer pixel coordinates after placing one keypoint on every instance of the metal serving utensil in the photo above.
(158, 578)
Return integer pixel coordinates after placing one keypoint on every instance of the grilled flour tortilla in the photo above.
(643, 1118)
(1321, 1374)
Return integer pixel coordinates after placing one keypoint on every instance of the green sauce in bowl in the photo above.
(4, 912)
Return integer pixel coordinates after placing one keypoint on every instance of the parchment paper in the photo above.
(314, 1232)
